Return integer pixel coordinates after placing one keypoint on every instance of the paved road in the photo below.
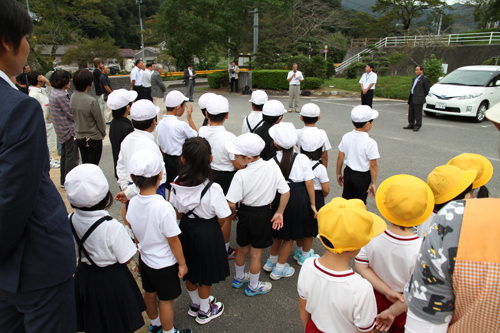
(401, 151)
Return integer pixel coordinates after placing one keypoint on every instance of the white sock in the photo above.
(280, 267)
(227, 246)
(171, 331)
(306, 254)
(299, 248)
(205, 304)
(274, 259)
(156, 322)
(254, 280)
(240, 271)
(195, 297)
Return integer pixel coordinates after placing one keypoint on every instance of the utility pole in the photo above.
(228, 53)
(140, 21)
(439, 26)
(255, 30)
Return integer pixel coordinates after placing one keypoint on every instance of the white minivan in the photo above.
(467, 91)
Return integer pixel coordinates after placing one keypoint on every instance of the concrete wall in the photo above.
(244, 79)
(117, 82)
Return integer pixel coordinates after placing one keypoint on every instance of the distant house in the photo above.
(149, 54)
(127, 53)
(60, 51)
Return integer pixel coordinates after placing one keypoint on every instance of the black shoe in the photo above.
(186, 330)
(191, 100)
(408, 127)
(415, 129)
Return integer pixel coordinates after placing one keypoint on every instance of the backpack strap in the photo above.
(86, 235)
(316, 165)
(205, 190)
(276, 160)
(250, 127)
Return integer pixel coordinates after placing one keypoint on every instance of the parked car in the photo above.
(114, 69)
(467, 91)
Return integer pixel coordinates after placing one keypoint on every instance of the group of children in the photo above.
(273, 180)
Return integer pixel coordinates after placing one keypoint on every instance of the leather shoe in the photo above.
(415, 129)
(408, 127)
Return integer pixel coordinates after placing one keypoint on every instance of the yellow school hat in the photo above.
(476, 162)
(448, 181)
(405, 200)
(345, 225)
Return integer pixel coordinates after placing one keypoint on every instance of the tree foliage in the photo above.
(433, 68)
(84, 52)
(485, 11)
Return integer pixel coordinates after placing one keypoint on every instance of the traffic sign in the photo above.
(326, 46)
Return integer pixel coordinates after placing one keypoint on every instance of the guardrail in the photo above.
(200, 72)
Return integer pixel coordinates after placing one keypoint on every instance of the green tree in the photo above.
(84, 52)
(485, 11)
(433, 68)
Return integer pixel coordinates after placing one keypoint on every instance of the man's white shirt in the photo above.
(367, 79)
(296, 79)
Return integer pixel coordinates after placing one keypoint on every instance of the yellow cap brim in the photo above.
(467, 179)
(379, 199)
(487, 174)
(379, 225)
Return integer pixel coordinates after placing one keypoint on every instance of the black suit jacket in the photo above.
(420, 91)
(36, 244)
(186, 76)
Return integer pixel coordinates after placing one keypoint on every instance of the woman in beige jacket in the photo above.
(233, 76)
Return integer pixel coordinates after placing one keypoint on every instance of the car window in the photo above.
(468, 78)
(493, 82)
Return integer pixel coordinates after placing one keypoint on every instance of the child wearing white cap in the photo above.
(310, 115)
(272, 113)
(359, 152)
(202, 208)
(172, 132)
(254, 119)
(104, 250)
(143, 113)
(223, 164)
(120, 101)
(154, 223)
(202, 102)
(255, 188)
(298, 218)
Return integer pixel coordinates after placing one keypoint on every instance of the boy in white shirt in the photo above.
(254, 119)
(359, 152)
(255, 186)
(333, 298)
(309, 115)
(389, 259)
(202, 102)
(172, 132)
(154, 223)
(223, 164)
(368, 81)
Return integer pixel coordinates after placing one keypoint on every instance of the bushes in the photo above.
(352, 71)
(218, 80)
(270, 79)
(311, 83)
(433, 68)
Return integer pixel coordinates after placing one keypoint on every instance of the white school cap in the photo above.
(143, 109)
(248, 144)
(217, 105)
(86, 185)
(363, 113)
(120, 98)
(202, 102)
(259, 97)
(175, 98)
(145, 163)
(312, 139)
(273, 108)
(310, 110)
(284, 135)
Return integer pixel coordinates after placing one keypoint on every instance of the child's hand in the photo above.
(384, 320)
(189, 110)
(315, 212)
(121, 197)
(394, 296)
(234, 217)
(277, 221)
(183, 269)
(340, 180)
(371, 190)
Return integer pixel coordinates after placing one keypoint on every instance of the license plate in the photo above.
(441, 106)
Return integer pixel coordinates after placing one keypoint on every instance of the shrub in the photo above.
(318, 67)
(433, 68)
(330, 70)
(311, 83)
(363, 54)
(218, 80)
(352, 71)
(270, 79)
(492, 61)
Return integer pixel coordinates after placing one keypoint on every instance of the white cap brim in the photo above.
(133, 95)
(229, 145)
(374, 114)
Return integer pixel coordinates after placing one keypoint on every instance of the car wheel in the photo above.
(430, 114)
(480, 114)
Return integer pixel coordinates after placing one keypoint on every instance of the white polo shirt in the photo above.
(254, 118)
(212, 204)
(153, 220)
(256, 185)
(217, 136)
(391, 257)
(136, 74)
(320, 175)
(301, 168)
(108, 244)
(337, 301)
(42, 96)
(296, 80)
(135, 141)
(367, 79)
(146, 77)
(171, 134)
(359, 150)
(300, 132)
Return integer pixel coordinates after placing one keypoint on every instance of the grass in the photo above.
(397, 87)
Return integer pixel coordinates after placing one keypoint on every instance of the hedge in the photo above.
(218, 80)
(311, 83)
(276, 80)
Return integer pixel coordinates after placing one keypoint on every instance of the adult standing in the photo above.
(233, 76)
(294, 78)
(189, 81)
(62, 118)
(37, 253)
(22, 80)
(90, 128)
(158, 89)
(105, 84)
(98, 65)
(420, 86)
(146, 78)
(368, 81)
(136, 79)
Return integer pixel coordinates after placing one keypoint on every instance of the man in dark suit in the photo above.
(189, 81)
(37, 254)
(420, 86)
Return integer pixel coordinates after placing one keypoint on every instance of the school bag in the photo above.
(305, 93)
(247, 90)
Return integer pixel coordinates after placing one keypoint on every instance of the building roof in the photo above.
(127, 53)
(46, 49)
